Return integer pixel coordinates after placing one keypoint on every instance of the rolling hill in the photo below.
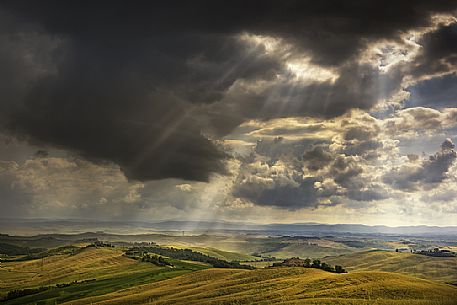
(106, 276)
(437, 268)
(89, 263)
(96, 270)
(284, 286)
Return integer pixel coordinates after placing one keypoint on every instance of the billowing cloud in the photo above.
(411, 122)
(276, 185)
(359, 161)
(428, 174)
(313, 171)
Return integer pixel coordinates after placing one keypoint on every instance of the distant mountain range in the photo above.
(305, 227)
(76, 225)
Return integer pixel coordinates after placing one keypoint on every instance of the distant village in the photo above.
(436, 252)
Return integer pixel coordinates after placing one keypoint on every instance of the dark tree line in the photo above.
(187, 254)
(17, 293)
(156, 260)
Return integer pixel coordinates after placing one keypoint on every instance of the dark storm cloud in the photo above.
(332, 30)
(125, 82)
(439, 53)
(438, 57)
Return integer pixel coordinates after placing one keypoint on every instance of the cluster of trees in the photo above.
(156, 260)
(324, 266)
(329, 268)
(186, 254)
(17, 293)
(308, 263)
(100, 244)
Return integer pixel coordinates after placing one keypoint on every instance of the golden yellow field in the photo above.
(88, 264)
(283, 286)
(89, 272)
(437, 268)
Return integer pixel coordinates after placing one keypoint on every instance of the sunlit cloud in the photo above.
(296, 66)
(387, 54)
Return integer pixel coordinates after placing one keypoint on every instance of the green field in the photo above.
(438, 268)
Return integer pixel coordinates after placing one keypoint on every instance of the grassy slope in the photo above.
(284, 286)
(438, 268)
(88, 264)
(111, 270)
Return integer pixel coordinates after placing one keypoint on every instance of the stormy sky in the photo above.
(259, 111)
